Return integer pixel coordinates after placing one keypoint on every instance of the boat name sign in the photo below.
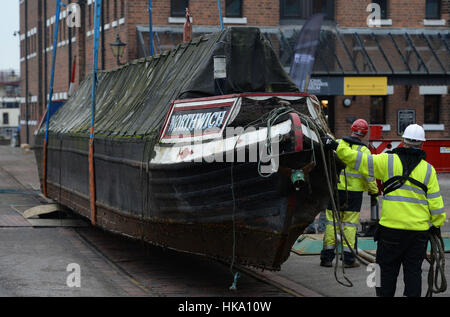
(192, 119)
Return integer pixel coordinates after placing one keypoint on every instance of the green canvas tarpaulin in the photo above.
(134, 99)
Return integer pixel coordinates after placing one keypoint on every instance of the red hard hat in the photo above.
(360, 127)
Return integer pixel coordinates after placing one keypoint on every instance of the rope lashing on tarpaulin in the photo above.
(98, 9)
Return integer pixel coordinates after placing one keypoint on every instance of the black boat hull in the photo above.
(223, 210)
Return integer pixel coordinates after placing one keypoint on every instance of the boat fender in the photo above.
(298, 179)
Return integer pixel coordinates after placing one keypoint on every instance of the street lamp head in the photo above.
(118, 48)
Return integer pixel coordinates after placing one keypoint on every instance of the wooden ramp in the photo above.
(49, 215)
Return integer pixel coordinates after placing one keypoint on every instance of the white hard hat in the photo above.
(414, 132)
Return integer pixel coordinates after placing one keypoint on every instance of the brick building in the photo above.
(409, 51)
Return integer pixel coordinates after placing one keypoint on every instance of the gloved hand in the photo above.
(435, 231)
(329, 142)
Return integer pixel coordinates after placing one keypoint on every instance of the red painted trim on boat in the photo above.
(297, 129)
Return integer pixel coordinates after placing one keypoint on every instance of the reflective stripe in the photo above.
(329, 247)
(406, 199)
(329, 223)
(345, 224)
(413, 189)
(359, 148)
(349, 224)
(352, 175)
(428, 175)
(358, 161)
(370, 179)
(370, 165)
(437, 211)
(390, 165)
(434, 195)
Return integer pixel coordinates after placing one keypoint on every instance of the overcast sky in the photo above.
(9, 44)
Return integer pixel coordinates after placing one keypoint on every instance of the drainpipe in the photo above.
(45, 54)
(81, 43)
(39, 51)
(102, 27)
(26, 74)
(69, 33)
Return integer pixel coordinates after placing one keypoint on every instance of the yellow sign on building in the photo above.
(367, 86)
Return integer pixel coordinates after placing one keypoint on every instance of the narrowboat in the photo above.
(208, 148)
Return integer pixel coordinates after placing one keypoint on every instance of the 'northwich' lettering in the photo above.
(196, 121)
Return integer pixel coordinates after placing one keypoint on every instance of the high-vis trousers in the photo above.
(350, 221)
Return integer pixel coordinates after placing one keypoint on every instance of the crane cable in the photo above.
(336, 215)
(337, 222)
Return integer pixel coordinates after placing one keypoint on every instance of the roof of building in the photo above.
(356, 51)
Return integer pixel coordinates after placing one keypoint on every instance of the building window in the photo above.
(122, 8)
(5, 118)
(178, 8)
(378, 109)
(107, 11)
(50, 37)
(115, 11)
(291, 9)
(324, 6)
(60, 30)
(233, 8)
(431, 108)
(11, 105)
(383, 7)
(433, 9)
(90, 15)
(303, 9)
(64, 33)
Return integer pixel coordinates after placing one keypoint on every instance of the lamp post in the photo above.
(118, 48)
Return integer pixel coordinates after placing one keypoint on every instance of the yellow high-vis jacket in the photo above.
(408, 207)
(355, 181)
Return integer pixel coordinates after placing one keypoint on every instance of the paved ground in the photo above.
(34, 261)
(29, 267)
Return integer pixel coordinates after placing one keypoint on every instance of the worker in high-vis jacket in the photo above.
(412, 207)
(352, 184)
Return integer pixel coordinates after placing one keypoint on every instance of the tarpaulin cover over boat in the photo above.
(185, 206)
(133, 100)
